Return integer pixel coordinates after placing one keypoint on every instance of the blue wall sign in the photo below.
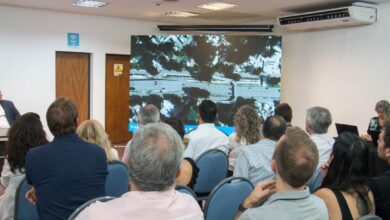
(73, 39)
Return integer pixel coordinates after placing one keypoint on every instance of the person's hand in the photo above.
(324, 167)
(366, 137)
(31, 196)
(2, 190)
(259, 194)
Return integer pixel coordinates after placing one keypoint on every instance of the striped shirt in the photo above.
(254, 161)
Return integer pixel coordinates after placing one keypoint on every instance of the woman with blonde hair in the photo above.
(247, 123)
(93, 132)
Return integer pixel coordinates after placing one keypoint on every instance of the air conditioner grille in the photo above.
(319, 16)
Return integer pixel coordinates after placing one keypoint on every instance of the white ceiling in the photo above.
(154, 10)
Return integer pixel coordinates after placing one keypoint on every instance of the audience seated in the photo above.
(286, 197)
(382, 108)
(344, 188)
(188, 169)
(247, 123)
(66, 172)
(154, 160)
(380, 186)
(93, 132)
(25, 133)
(253, 162)
(375, 126)
(206, 136)
(318, 120)
(148, 114)
(284, 110)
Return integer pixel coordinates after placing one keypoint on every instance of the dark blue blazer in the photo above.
(11, 113)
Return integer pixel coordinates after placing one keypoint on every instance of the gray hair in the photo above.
(155, 156)
(319, 119)
(382, 106)
(149, 114)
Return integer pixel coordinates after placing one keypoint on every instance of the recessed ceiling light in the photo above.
(90, 3)
(182, 14)
(216, 6)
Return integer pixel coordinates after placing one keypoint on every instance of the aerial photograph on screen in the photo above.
(177, 72)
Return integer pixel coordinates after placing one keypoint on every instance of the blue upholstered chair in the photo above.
(23, 208)
(315, 181)
(213, 166)
(226, 197)
(186, 190)
(117, 182)
(86, 204)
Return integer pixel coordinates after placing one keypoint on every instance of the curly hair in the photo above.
(247, 123)
(26, 132)
(93, 132)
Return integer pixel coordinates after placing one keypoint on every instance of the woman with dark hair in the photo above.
(344, 188)
(27, 132)
(188, 169)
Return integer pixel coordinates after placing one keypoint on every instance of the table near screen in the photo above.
(3, 140)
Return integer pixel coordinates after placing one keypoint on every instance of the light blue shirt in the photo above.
(294, 204)
(254, 161)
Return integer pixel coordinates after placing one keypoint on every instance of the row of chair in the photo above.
(226, 197)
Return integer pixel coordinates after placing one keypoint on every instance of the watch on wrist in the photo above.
(241, 208)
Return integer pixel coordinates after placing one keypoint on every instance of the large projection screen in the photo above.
(176, 72)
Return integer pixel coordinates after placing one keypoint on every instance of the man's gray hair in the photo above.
(319, 119)
(149, 114)
(155, 156)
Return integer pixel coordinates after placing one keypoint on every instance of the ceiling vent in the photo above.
(330, 18)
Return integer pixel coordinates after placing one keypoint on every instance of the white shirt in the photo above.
(3, 119)
(204, 138)
(324, 144)
(115, 154)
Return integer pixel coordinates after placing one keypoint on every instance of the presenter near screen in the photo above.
(8, 112)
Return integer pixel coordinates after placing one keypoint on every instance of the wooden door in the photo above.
(72, 80)
(117, 98)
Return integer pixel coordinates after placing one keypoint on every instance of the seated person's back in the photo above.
(154, 160)
(254, 160)
(206, 136)
(68, 171)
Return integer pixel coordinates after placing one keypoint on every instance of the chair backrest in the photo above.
(213, 166)
(186, 190)
(117, 181)
(370, 217)
(315, 181)
(23, 208)
(226, 197)
(86, 204)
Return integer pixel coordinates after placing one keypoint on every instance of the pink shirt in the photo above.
(167, 205)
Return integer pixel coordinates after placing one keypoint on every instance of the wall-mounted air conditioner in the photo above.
(330, 18)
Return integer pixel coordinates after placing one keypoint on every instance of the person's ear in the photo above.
(387, 153)
(178, 172)
(273, 165)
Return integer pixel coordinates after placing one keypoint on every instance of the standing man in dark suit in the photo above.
(8, 112)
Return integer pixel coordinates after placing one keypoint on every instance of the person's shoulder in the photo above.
(187, 201)
(39, 149)
(266, 211)
(325, 194)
